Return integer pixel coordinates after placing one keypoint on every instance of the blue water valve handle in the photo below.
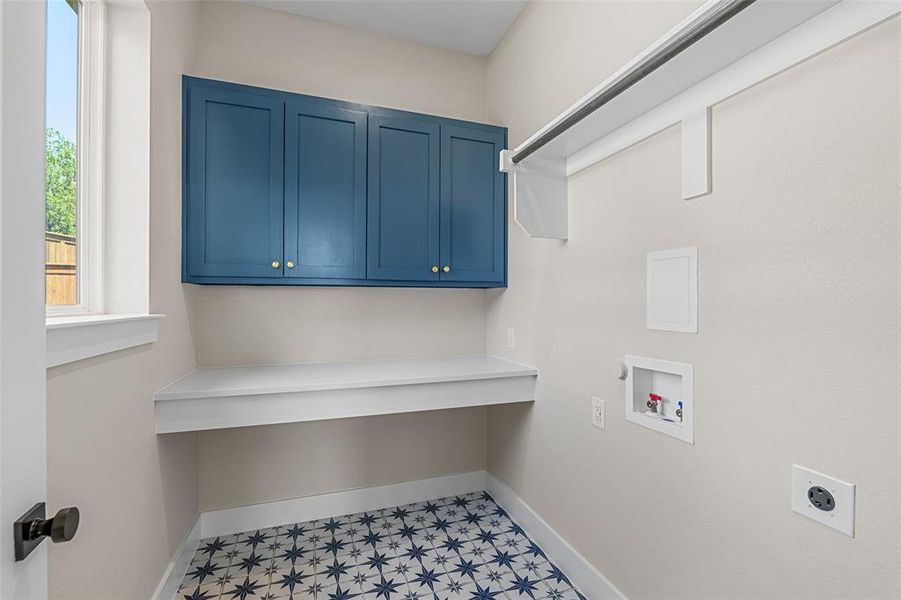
(679, 411)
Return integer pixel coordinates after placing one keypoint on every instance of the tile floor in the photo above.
(459, 548)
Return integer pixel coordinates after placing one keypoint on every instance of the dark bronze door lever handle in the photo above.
(32, 527)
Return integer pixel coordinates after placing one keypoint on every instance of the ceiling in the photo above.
(470, 26)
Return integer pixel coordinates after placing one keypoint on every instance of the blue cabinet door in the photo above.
(473, 201)
(325, 191)
(234, 188)
(403, 198)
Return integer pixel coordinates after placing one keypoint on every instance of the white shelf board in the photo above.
(764, 39)
(216, 398)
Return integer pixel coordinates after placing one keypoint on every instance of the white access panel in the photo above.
(672, 290)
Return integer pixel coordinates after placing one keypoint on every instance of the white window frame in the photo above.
(113, 171)
(89, 200)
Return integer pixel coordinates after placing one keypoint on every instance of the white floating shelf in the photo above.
(762, 40)
(217, 398)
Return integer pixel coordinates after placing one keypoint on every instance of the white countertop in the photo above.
(221, 382)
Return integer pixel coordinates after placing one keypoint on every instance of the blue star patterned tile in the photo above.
(457, 548)
(288, 581)
(343, 591)
(244, 589)
(524, 586)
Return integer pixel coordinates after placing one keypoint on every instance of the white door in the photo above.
(23, 403)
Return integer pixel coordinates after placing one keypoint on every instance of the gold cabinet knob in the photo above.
(276, 264)
(435, 269)
(290, 264)
(446, 269)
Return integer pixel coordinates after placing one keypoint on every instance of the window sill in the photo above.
(76, 338)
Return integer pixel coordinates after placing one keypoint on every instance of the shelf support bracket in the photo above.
(539, 195)
(696, 155)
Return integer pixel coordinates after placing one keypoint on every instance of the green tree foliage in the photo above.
(60, 183)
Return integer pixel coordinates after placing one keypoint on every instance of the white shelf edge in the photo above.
(539, 188)
(244, 380)
(218, 408)
(79, 337)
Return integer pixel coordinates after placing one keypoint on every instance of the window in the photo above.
(98, 188)
(71, 139)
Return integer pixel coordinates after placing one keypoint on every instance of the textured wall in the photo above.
(797, 359)
(245, 325)
(137, 492)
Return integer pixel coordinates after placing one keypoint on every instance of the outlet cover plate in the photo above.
(598, 413)
(841, 517)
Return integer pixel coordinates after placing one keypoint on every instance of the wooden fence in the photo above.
(60, 258)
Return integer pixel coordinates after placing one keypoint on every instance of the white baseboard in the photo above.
(178, 566)
(259, 516)
(270, 514)
(581, 573)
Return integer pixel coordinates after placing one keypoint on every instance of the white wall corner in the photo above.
(167, 589)
(583, 575)
(696, 155)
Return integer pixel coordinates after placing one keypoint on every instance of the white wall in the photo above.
(137, 491)
(243, 325)
(797, 359)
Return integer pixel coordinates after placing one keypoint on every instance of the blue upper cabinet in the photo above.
(325, 191)
(233, 184)
(288, 189)
(403, 199)
(473, 219)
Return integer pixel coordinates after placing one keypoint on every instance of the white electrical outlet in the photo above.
(511, 338)
(824, 499)
(598, 413)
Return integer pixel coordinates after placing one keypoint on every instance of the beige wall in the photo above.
(304, 459)
(244, 325)
(137, 492)
(797, 359)
(257, 46)
(252, 325)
